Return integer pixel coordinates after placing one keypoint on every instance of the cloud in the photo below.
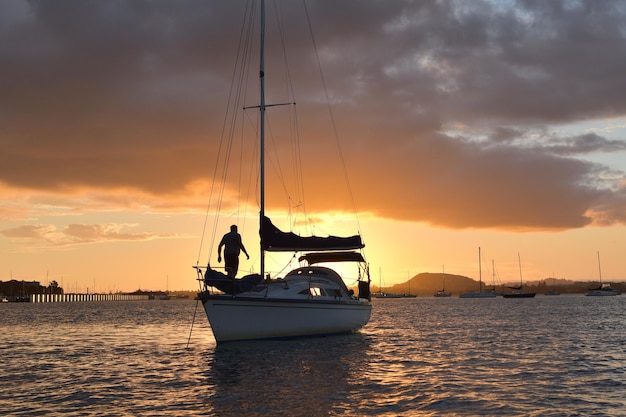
(445, 109)
(612, 209)
(583, 144)
(34, 231)
(462, 184)
(46, 235)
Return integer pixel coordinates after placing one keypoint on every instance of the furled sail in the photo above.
(319, 257)
(275, 240)
(228, 284)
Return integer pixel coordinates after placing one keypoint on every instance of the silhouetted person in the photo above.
(232, 245)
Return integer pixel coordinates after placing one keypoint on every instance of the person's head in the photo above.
(233, 228)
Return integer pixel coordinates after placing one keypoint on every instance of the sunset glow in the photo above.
(461, 125)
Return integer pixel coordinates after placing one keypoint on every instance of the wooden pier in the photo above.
(76, 298)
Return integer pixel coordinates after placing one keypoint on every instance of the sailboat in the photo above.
(383, 294)
(442, 292)
(553, 291)
(166, 295)
(493, 280)
(518, 290)
(480, 293)
(602, 290)
(310, 300)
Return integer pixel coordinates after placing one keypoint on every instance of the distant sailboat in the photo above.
(493, 280)
(166, 296)
(519, 289)
(552, 291)
(602, 290)
(442, 292)
(479, 293)
(383, 294)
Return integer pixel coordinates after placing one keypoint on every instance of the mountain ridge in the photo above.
(427, 283)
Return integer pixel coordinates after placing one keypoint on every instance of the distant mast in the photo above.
(519, 261)
(480, 273)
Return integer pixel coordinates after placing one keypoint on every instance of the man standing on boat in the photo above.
(232, 245)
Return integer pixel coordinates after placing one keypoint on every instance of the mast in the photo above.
(480, 273)
(262, 133)
(443, 275)
(519, 261)
(599, 270)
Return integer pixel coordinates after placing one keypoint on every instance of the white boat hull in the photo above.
(244, 318)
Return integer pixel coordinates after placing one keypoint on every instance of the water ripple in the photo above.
(553, 356)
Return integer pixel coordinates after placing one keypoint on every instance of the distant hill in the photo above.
(427, 283)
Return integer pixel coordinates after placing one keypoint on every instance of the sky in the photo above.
(491, 124)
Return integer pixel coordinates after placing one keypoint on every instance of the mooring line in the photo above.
(192, 322)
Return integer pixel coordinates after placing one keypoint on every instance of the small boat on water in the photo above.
(552, 292)
(480, 293)
(311, 300)
(518, 290)
(384, 294)
(602, 290)
(166, 294)
(519, 294)
(442, 292)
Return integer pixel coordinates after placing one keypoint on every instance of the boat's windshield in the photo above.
(317, 271)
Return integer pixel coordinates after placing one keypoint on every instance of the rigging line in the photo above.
(245, 58)
(231, 97)
(286, 265)
(251, 184)
(244, 80)
(272, 157)
(332, 117)
(275, 162)
(242, 64)
(295, 137)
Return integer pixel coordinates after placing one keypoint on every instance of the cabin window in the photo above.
(316, 291)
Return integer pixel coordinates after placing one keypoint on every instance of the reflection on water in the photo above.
(311, 375)
(426, 356)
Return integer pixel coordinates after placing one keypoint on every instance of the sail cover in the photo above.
(275, 240)
(315, 258)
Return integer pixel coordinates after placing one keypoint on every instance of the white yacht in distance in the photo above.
(442, 292)
(480, 293)
(602, 290)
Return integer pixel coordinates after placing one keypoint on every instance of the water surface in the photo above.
(548, 356)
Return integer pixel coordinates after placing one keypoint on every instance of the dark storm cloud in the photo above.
(131, 94)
